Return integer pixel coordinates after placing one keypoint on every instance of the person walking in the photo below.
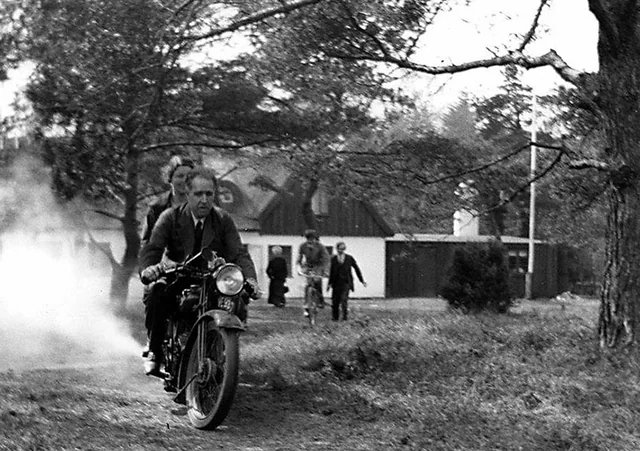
(341, 281)
(277, 271)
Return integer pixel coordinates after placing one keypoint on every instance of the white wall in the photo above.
(466, 223)
(369, 253)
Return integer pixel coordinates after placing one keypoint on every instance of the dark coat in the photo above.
(277, 268)
(277, 272)
(175, 232)
(162, 203)
(340, 273)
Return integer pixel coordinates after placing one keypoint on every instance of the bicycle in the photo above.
(312, 297)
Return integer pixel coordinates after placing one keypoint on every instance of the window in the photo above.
(518, 261)
(513, 260)
(523, 258)
(286, 253)
(225, 196)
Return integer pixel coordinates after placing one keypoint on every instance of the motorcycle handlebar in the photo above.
(205, 253)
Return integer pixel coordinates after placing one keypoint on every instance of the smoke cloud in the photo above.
(54, 303)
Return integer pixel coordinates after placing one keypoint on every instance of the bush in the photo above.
(479, 279)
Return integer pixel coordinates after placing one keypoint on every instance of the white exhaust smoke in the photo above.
(54, 303)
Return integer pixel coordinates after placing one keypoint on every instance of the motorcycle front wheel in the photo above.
(214, 377)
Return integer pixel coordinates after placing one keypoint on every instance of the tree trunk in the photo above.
(308, 214)
(121, 274)
(618, 96)
(619, 294)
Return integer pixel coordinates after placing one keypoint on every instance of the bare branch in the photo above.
(143, 197)
(551, 58)
(104, 249)
(590, 164)
(109, 214)
(85, 226)
(385, 51)
(203, 144)
(534, 25)
(535, 178)
(548, 146)
(474, 170)
(233, 169)
(255, 18)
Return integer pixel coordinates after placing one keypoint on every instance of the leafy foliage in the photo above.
(479, 279)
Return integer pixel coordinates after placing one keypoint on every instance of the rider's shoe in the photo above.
(152, 365)
(306, 313)
(145, 350)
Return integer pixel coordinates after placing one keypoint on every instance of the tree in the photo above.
(111, 76)
(387, 32)
(9, 35)
(113, 81)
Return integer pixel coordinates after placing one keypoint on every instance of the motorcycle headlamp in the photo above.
(229, 280)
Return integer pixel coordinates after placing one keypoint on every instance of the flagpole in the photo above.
(528, 285)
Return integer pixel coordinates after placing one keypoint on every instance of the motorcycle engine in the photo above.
(189, 299)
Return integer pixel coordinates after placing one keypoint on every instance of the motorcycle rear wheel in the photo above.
(210, 394)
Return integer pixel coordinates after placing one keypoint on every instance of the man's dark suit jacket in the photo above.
(175, 232)
(341, 272)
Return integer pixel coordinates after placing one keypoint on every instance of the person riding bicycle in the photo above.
(313, 260)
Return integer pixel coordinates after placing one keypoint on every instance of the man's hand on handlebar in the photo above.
(154, 272)
(151, 273)
(166, 263)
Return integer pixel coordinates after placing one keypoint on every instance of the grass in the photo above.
(439, 380)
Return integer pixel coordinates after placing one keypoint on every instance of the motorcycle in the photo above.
(201, 347)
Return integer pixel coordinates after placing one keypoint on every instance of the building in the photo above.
(267, 217)
(418, 265)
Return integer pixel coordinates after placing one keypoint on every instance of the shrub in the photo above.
(478, 279)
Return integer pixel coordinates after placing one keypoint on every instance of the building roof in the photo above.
(245, 193)
(445, 238)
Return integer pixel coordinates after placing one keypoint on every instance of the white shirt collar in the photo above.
(196, 220)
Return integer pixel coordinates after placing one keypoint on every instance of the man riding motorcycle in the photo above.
(180, 232)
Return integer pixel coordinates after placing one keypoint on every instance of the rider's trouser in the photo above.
(160, 303)
(339, 300)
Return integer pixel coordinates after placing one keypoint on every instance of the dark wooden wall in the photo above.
(348, 217)
(421, 268)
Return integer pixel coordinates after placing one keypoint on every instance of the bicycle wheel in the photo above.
(311, 305)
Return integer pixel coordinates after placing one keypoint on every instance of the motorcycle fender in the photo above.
(223, 320)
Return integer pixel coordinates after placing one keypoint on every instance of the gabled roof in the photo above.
(248, 194)
(251, 196)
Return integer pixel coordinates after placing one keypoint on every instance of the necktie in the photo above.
(197, 242)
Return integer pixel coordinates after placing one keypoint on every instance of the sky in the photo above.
(465, 34)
